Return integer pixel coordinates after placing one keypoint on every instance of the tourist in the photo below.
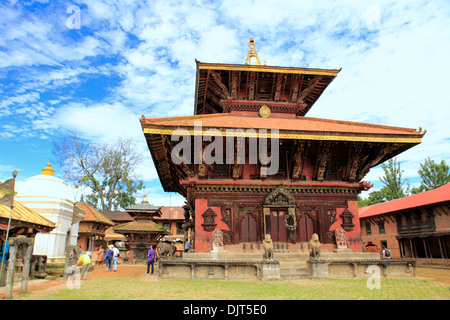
(386, 253)
(151, 258)
(109, 257)
(187, 246)
(100, 254)
(116, 255)
(85, 261)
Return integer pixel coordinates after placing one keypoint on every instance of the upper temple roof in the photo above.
(218, 82)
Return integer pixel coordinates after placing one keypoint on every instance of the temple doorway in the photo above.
(249, 228)
(276, 225)
(305, 228)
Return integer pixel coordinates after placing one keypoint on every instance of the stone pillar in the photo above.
(17, 246)
(270, 271)
(71, 259)
(26, 267)
(10, 273)
(318, 268)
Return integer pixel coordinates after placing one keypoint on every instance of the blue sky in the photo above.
(132, 58)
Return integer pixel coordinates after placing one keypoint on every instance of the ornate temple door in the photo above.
(278, 230)
(279, 215)
(249, 229)
(305, 228)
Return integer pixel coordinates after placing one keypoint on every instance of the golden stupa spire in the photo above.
(252, 53)
(48, 171)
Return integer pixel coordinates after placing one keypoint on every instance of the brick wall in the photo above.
(202, 237)
(354, 236)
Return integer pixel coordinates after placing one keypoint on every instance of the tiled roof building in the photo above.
(417, 226)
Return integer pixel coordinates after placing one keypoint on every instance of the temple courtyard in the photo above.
(130, 282)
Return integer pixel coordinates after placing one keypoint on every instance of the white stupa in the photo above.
(52, 198)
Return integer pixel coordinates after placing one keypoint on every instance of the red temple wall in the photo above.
(354, 236)
(202, 237)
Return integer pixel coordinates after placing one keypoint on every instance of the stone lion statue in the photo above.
(166, 249)
(268, 247)
(315, 246)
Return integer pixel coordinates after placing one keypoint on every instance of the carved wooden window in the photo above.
(222, 171)
(209, 220)
(347, 220)
(368, 228)
(381, 227)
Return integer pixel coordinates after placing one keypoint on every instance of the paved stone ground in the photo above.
(139, 271)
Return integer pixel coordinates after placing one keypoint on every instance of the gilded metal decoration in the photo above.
(264, 111)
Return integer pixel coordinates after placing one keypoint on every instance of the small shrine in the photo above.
(53, 199)
(18, 228)
(143, 231)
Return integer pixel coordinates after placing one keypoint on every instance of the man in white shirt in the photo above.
(115, 257)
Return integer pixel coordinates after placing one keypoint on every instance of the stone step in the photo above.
(292, 265)
(295, 276)
(291, 256)
(293, 270)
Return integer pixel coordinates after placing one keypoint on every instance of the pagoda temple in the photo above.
(250, 162)
(142, 232)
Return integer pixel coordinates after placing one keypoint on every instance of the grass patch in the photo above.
(328, 289)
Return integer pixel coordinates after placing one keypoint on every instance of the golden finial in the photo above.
(48, 171)
(145, 198)
(252, 53)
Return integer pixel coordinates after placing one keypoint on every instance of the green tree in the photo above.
(394, 186)
(433, 175)
(393, 183)
(107, 170)
(374, 198)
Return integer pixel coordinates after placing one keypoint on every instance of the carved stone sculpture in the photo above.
(166, 250)
(268, 247)
(315, 246)
(217, 240)
(341, 238)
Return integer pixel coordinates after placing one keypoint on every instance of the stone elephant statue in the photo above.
(165, 249)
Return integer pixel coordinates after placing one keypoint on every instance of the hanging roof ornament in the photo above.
(252, 53)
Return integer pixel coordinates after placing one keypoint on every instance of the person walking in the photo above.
(85, 261)
(187, 246)
(151, 259)
(386, 253)
(116, 255)
(100, 255)
(109, 257)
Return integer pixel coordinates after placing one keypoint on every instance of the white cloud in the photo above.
(394, 67)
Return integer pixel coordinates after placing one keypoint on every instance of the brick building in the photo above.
(172, 219)
(91, 233)
(416, 227)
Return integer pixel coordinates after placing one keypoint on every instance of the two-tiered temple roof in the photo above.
(252, 97)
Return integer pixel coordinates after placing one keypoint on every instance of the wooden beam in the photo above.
(311, 86)
(219, 82)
